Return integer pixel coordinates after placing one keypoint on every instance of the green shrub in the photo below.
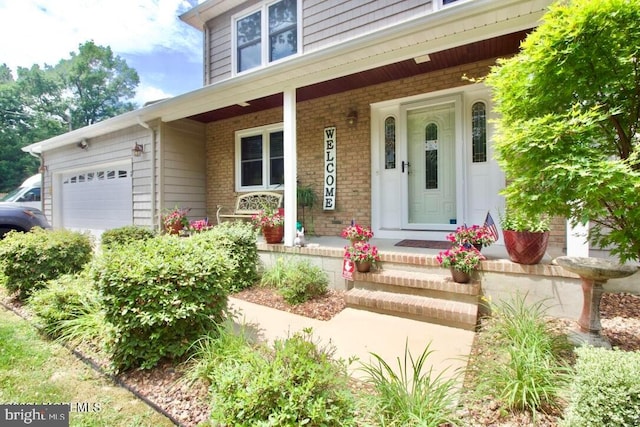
(523, 368)
(160, 295)
(410, 395)
(62, 299)
(29, 260)
(605, 390)
(124, 235)
(296, 384)
(296, 280)
(239, 239)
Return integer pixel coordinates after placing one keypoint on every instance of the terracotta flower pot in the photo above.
(273, 234)
(363, 266)
(175, 228)
(460, 276)
(525, 247)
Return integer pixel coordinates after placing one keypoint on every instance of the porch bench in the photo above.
(249, 204)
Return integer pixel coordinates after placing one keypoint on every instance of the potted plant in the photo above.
(461, 260)
(271, 222)
(200, 225)
(356, 232)
(363, 254)
(477, 236)
(176, 220)
(306, 199)
(525, 236)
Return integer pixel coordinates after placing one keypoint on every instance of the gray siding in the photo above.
(328, 22)
(325, 23)
(183, 165)
(106, 149)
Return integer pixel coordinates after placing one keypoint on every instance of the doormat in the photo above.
(426, 244)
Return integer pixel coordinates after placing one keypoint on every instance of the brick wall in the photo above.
(353, 145)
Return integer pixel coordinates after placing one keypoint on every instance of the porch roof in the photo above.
(454, 29)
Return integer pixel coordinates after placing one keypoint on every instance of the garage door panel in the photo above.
(97, 199)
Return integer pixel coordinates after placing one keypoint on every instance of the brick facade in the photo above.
(353, 145)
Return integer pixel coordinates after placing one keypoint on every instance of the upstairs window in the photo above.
(266, 35)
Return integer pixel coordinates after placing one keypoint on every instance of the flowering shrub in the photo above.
(357, 232)
(199, 225)
(461, 258)
(474, 235)
(267, 218)
(362, 251)
(176, 216)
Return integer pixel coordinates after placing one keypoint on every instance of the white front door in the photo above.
(429, 171)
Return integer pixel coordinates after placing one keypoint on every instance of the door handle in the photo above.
(405, 164)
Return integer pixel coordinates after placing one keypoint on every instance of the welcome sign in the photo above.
(329, 195)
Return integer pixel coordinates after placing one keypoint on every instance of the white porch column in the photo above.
(290, 162)
(577, 243)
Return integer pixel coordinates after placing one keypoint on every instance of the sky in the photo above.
(147, 34)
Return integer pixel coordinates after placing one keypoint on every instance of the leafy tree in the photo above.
(99, 83)
(42, 102)
(568, 135)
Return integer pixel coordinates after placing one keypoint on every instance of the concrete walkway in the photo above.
(358, 333)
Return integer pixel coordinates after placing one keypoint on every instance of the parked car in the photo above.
(28, 194)
(20, 218)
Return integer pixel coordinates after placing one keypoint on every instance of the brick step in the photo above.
(427, 284)
(444, 312)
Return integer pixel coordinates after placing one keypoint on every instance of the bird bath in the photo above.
(594, 273)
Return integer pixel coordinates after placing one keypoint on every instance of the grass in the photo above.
(411, 395)
(34, 370)
(521, 362)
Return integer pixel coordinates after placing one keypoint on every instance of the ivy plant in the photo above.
(569, 104)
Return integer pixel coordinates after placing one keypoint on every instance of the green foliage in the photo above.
(225, 343)
(295, 384)
(239, 239)
(296, 280)
(605, 390)
(516, 220)
(29, 260)
(42, 102)
(124, 235)
(63, 298)
(161, 294)
(410, 395)
(525, 369)
(567, 135)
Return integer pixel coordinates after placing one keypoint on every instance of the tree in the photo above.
(99, 84)
(569, 105)
(43, 102)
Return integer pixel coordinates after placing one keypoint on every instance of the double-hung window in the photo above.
(260, 158)
(266, 35)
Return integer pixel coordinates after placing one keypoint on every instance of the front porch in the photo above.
(411, 284)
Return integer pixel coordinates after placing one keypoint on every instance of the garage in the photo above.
(97, 199)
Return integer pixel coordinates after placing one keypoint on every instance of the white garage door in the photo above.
(98, 199)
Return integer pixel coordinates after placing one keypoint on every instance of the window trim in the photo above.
(265, 36)
(264, 131)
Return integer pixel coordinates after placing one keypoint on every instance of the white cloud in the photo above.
(41, 31)
(147, 93)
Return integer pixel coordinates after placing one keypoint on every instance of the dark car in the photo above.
(20, 218)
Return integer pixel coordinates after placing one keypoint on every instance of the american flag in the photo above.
(491, 226)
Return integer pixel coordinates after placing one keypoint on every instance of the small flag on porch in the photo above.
(491, 226)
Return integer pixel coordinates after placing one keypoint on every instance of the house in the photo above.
(372, 104)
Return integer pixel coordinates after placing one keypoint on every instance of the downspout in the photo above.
(41, 169)
(154, 216)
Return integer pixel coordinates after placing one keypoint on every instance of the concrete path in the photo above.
(358, 333)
